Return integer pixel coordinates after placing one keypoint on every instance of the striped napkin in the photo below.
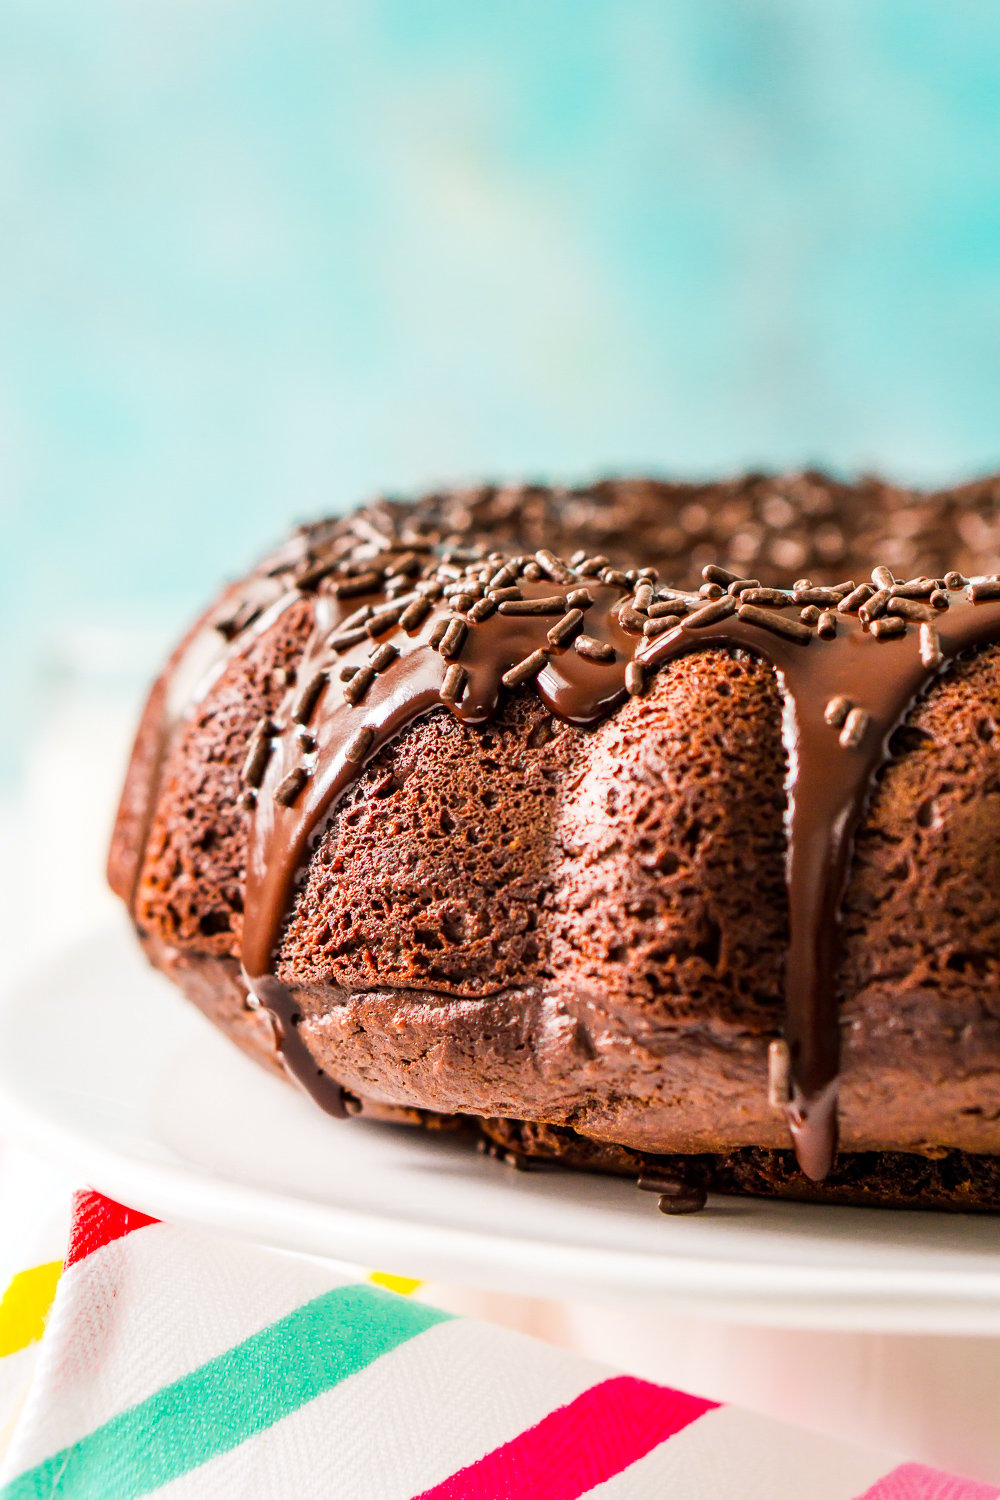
(158, 1359)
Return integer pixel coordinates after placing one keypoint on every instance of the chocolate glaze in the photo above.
(196, 665)
(828, 781)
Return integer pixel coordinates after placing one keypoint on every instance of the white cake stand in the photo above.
(880, 1326)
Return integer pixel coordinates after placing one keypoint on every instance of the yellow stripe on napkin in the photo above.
(404, 1285)
(25, 1306)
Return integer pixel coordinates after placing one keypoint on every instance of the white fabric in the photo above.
(729, 1444)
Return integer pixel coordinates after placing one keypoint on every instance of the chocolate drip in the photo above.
(282, 835)
(199, 663)
(285, 1015)
(246, 612)
(828, 786)
(405, 628)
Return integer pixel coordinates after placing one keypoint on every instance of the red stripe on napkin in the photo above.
(915, 1482)
(602, 1432)
(97, 1221)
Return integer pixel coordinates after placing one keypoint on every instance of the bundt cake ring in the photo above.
(648, 828)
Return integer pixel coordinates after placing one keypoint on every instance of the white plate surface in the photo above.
(104, 1066)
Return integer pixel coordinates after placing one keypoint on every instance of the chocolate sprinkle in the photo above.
(855, 728)
(817, 596)
(551, 604)
(453, 683)
(415, 614)
(311, 577)
(635, 678)
(364, 583)
(855, 599)
(875, 606)
(594, 650)
(345, 639)
(409, 562)
(289, 789)
(767, 619)
(383, 656)
(631, 620)
(713, 573)
(888, 628)
(553, 567)
(359, 745)
(567, 627)
(654, 628)
(504, 576)
(453, 639)
(836, 710)
(682, 1198)
(230, 626)
(930, 647)
(918, 588)
(710, 614)
(383, 620)
(907, 609)
(654, 1181)
(258, 754)
(359, 684)
(308, 697)
(776, 597)
(525, 670)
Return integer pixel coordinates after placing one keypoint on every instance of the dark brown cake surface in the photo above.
(573, 925)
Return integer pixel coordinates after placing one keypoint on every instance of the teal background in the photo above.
(257, 260)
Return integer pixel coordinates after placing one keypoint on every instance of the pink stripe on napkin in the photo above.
(915, 1482)
(595, 1437)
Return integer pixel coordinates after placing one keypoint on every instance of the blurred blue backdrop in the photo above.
(261, 259)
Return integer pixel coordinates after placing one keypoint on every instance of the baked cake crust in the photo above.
(577, 933)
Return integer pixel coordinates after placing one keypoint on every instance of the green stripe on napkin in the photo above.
(231, 1398)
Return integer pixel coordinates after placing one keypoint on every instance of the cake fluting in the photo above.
(582, 850)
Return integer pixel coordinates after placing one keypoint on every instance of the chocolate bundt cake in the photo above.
(646, 827)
